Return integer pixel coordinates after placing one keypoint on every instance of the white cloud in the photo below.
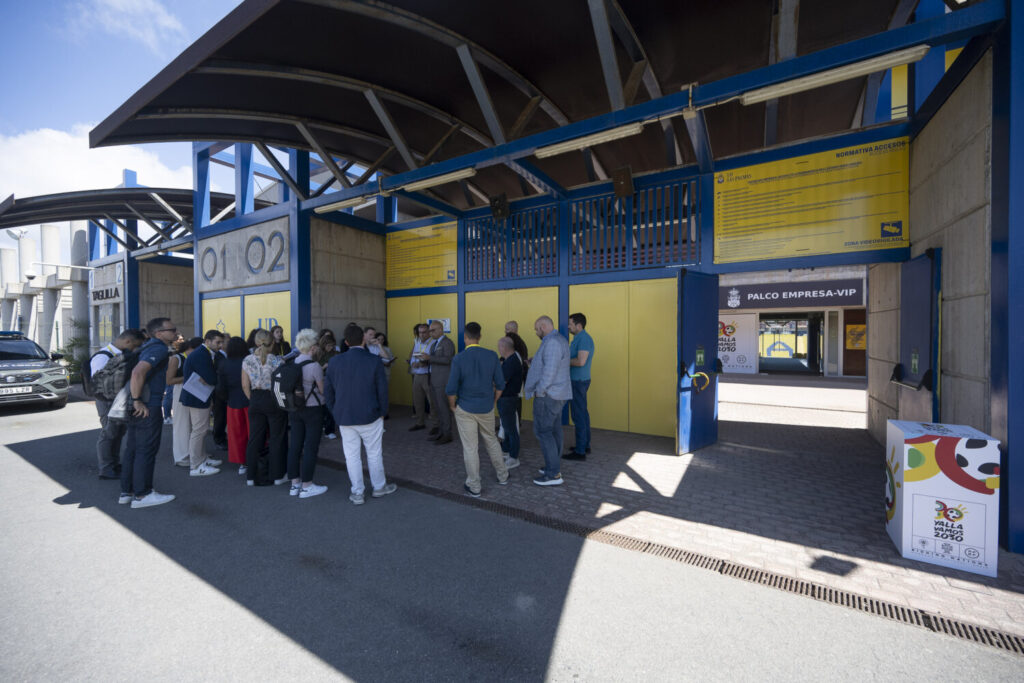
(47, 161)
(144, 21)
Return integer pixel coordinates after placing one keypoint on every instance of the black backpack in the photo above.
(286, 384)
(86, 372)
(112, 377)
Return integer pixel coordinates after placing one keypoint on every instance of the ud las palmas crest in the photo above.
(734, 298)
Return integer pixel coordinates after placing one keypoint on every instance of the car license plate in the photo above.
(4, 391)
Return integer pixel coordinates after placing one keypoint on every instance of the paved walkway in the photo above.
(793, 499)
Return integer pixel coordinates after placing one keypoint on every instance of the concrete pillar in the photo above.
(50, 238)
(26, 255)
(28, 324)
(51, 304)
(80, 290)
(8, 276)
(27, 302)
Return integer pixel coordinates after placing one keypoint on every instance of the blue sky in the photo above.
(68, 64)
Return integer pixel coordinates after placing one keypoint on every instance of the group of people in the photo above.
(270, 445)
(344, 388)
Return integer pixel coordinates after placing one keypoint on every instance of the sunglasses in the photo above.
(168, 329)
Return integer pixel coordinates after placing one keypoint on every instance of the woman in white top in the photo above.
(267, 422)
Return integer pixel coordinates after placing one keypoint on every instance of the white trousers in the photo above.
(182, 427)
(199, 425)
(352, 437)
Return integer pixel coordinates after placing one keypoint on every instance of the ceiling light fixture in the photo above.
(343, 204)
(461, 174)
(590, 140)
(837, 75)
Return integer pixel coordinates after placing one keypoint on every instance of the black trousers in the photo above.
(267, 425)
(304, 441)
(220, 422)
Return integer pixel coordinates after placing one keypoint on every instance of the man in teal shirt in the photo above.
(581, 354)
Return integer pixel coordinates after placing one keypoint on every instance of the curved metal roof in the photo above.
(402, 84)
(148, 204)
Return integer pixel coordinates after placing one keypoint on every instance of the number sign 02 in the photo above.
(257, 255)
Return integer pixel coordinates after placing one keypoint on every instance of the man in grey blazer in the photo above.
(439, 356)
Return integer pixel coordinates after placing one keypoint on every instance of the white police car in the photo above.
(29, 375)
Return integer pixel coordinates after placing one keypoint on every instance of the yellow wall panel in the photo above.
(606, 306)
(403, 313)
(652, 356)
(526, 305)
(266, 311)
(224, 314)
(490, 309)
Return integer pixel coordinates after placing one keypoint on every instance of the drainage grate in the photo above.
(905, 615)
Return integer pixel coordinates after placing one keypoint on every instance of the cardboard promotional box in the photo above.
(942, 495)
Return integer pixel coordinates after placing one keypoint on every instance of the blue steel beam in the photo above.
(200, 186)
(281, 172)
(976, 19)
(606, 49)
(483, 96)
(429, 202)
(537, 177)
(697, 127)
(245, 182)
(228, 159)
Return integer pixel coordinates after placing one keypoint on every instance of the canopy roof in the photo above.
(395, 86)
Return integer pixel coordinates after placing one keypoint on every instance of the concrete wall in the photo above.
(166, 291)
(950, 197)
(347, 277)
(883, 345)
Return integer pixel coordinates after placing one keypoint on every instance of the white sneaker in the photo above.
(283, 480)
(125, 498)
(168, 421)
(203, 470)
(357, 498)
(295, 489)
(183, 463)
(250, 482)
(151, 499)
(242, 469)
(332, 436)
(312, 490)
(385, 490)
(511, 463)
(212, 462)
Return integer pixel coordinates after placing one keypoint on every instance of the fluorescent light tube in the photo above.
(590, 140)
(837, 75)
(439, 180)
(336, 206)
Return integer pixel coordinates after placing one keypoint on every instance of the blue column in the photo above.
(131, 292)
(461, 271)
(387, 210)
(111, 245)
(245, 185)
(298, 167)
(300, 265)
(200, 186)
(95, 241)
(1007, 306)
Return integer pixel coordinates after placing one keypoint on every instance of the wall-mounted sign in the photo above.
(257, 255)
(269, 310)
(857, 337)
(422, 257)
(834, 202)
(821, 293)
(106, 294)
(224, 315)
(446, 323)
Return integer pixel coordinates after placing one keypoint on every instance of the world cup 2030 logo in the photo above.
(953, 514)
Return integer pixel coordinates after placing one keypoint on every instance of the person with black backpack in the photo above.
(299, 386)
(102, 378)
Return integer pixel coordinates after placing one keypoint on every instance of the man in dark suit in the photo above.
(439, 358)
(356, 392)
(201, 362)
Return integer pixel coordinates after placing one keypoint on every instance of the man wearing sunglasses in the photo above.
(145, 424)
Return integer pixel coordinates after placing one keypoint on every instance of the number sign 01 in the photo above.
(262, 250)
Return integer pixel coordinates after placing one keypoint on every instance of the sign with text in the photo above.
(422, 257)
(820, 293)
(942, 495)
(224, 315)
(257, 255)
(834, 202)
(268, 310)
(737, 342)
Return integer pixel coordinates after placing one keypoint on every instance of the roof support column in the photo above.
(200, 186)
(245, 187)
(483, 97)
(606, 48)
(298, 170)
(392, 129)
(783, 47)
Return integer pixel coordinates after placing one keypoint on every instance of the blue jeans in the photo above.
(507, 408)
(547, 427)
(139, 457)
(580, 416)
(168, 401)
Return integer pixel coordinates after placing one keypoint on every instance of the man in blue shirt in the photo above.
(548, 383)
(474, 384)
(581, 353)
(145, 423)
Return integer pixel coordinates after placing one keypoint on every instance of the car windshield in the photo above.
(20, 349)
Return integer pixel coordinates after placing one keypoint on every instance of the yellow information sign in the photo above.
(223, 314)
(422, 257)
(857, 337)
(834, 202)
(267, 310)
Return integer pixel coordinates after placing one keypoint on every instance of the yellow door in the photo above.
(224, 314)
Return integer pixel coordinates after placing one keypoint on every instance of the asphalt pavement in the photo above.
(236, 583)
